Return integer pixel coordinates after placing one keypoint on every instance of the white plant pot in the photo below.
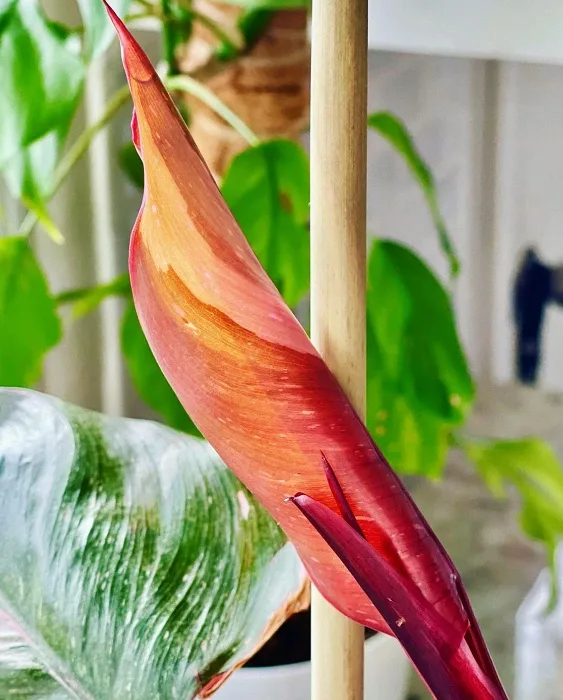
(539, 640)
(386, 677)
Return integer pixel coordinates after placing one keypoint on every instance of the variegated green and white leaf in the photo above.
(133, 564)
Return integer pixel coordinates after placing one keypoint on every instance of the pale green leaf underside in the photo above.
(41, 77)
(134, 564)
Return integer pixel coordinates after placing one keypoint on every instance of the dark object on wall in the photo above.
(533, 290)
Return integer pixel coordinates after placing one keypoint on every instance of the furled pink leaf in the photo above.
(448, 673)
(252, 382)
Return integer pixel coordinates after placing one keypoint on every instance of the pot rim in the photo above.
(371, 646)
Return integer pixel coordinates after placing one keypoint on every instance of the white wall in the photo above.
(517, 30)
(492, 135)
(440, 99)
(530, 198)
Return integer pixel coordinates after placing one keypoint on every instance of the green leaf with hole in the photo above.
(99, 32)
(267, 189)
(41, 78)
(532, 467)
(147, 376)
(419, 385)
(29, 324)
(392, 129)
(134, 564)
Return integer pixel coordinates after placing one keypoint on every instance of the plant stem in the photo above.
(82, 143)
(77, 150)
(184, 83)
(151, 7)
(219, 32)
(119, 286)
(138, 16)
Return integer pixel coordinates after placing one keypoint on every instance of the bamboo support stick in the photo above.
(338, 274)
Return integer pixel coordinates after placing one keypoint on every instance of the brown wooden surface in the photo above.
(338, 273)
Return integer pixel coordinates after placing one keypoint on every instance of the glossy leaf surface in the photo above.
(29, 324)
(41, 78)
(267, 189)
(419, 384)
(413, 440)
(245, 370)
(134, 564)
(449, 673)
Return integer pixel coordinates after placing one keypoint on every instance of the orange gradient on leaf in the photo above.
(248, 375)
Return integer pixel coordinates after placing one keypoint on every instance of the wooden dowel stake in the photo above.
(338, 274)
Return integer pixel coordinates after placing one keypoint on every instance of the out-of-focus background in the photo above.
(480, 90)
(483, 108)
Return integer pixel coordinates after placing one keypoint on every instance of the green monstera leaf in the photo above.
(267, 189)
(135, 566)
(419, 386)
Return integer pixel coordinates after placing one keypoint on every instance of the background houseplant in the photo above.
(403, 403)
